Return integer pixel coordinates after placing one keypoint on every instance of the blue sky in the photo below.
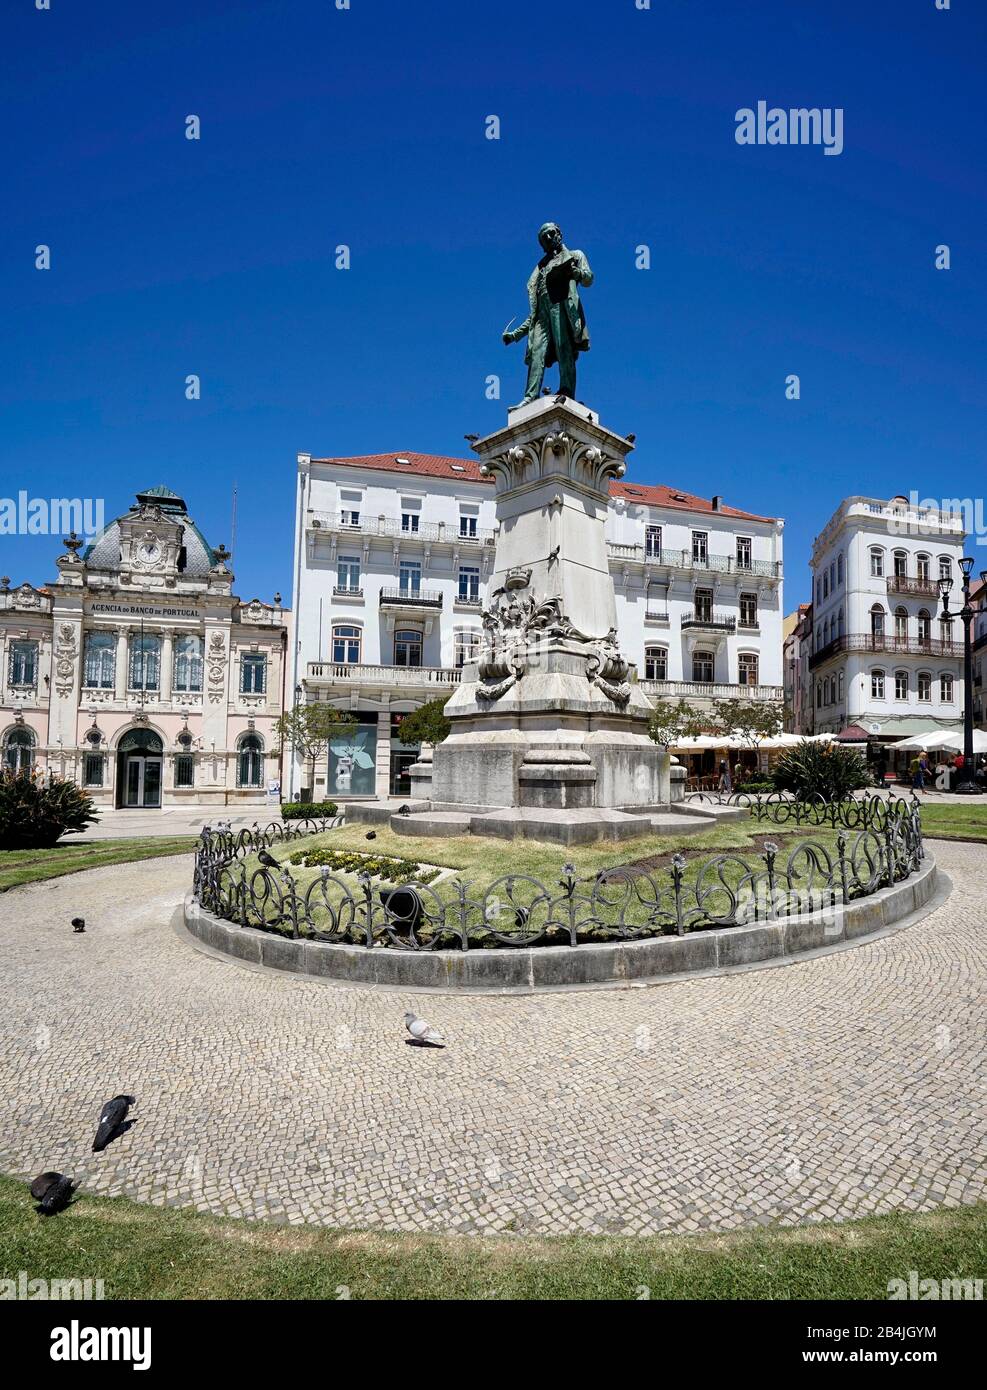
(366, 127)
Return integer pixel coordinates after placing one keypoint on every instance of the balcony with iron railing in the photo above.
(921, 588)
(381, 676)
(392, 527)
(886, 644)
(709, 620)
(410, 598)
(688, 560)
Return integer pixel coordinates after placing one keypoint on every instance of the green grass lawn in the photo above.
(956, 822)
(481, 862)
(32, 865)
(151, 1252)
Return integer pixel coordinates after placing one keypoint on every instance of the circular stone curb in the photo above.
(527, 969)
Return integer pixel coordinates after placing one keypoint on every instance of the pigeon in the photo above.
(630, 438)
(404, 810)
(111, 1119)
(78, 924)
(268, 860)
(423, 1033)
(52, 1192)
(371, 835)
(472, 438)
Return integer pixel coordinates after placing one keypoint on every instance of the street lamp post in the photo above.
(968, 786)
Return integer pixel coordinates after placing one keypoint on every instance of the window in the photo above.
(744, 552)
(345, 644)
(350, 503)
(407, 647)
(840, 622)
(946, 630)
(925, 686)
(99, 667)
(466, 646)
(840, 570)
(702, 667)
(704, 605)
(946, 688)
(840, 678)
(901, 685)
(93, 766)
(410, 521)
(18, 750)
(901, 625)
(700, 547)
(877, 685)
(900, 564)
(924, 627)
(826, 585)
(876, 563)
(656, 600)
(410, 577)
(253, 673)
(652, 542)
(348, 574)
(250, 761)
(188, 663)
(748, 610)
(819, 694)
(747, 668)
(184, 770)
(923, 568)
(467, 525)
(877, 621)
(945, 567)
(656, 663)
(469, 584)
(145, 663)
(23, 665)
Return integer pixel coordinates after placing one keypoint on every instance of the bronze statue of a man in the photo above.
(556, 325)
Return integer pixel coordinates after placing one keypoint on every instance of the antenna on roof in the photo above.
(233, 536)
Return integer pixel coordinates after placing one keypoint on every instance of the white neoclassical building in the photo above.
(393, 554)
(882, 659)
(139, 673)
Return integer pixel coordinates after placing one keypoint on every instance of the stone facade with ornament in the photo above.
(139, 673)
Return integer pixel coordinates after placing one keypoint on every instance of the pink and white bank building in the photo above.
(139, 673)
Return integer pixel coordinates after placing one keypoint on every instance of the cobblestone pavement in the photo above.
(835, 1087)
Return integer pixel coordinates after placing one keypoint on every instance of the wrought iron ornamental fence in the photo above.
(876, 844)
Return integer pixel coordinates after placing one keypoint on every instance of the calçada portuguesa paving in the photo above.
(833, 1088)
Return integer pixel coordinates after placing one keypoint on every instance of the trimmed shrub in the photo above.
(35, 813)
(298, 810)
(827, 770)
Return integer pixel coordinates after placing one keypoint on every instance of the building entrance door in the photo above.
(142, 781)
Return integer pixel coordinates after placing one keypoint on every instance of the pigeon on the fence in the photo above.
(268, 860)
(78, 924)
(111, 1119)
(423, 1033)
(370, 835)
(52, 1192)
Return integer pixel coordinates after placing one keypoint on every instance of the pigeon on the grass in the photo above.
(423, 1033)
(370, 835)
(268, 860)
(52, 1192)
(78, 924)
(111, 1119)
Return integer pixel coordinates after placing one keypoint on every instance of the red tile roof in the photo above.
(441, 466)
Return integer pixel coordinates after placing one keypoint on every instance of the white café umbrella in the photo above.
(940, 738)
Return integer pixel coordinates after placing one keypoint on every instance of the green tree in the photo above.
(751, 720)
(672, 723)
(427, 724)
(310, 728)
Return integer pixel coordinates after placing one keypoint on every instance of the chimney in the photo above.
(717, 502)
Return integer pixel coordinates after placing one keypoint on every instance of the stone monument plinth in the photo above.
(550, 728)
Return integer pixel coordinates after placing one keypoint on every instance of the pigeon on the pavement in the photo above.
(78, 923)
(423, 1033)
(111, 1118)
(52, 1192)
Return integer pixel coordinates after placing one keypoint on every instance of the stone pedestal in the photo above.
(550, 717)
